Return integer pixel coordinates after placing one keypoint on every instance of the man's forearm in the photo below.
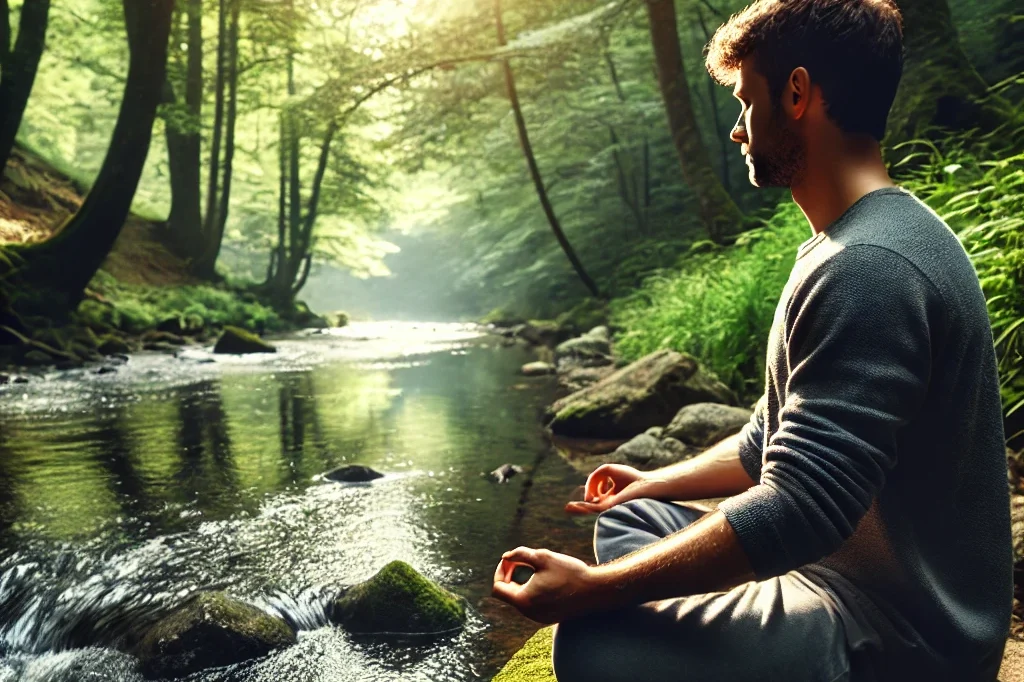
(714, 473)
(703, 557)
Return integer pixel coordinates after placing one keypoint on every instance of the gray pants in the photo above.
(782, 629)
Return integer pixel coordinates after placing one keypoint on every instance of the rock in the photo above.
(536, 369)
(353, 473)
(505, 472)
(235, 341)
(161, 346)
(5, 379)
(541, 332)
(66, 364)
(656, 431)
(20, 380)
(112, 345)
(578, 378)
(210, 630)
(600, 332)
(704, 424)
(648, 452)
(647, 393)
(532, 663)
(182, 325)
(584, 351)
(37, 358)
(153, 337)
(106, 369)
(398, 600)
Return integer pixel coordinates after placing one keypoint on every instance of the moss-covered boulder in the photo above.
(532, 663)
(209, 631)
(593, 349)
(647, 393)
(704, 424)
(235, 341)
(398, 600)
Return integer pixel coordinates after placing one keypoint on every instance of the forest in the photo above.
(415, 203)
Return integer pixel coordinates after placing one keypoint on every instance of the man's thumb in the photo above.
(577, 507)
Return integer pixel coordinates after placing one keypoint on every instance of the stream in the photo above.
(123, 493)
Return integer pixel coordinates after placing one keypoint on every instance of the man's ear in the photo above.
(796, 95)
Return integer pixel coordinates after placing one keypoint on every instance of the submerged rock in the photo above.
(398, 600)
(704, 424)
(537, 369)
(353, 473)
(210, 630)
(235, 341)
(647, 393)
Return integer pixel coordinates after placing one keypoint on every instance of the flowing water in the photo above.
(123, 493)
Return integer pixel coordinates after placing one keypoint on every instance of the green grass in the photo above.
(717, 304)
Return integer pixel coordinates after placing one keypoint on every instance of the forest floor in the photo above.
(35, 199)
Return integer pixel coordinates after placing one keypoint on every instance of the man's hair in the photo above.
(852, 49)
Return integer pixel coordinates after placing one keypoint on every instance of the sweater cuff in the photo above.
(753, 516)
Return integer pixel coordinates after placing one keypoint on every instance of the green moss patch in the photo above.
(532, 663)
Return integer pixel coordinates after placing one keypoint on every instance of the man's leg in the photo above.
(779, 629)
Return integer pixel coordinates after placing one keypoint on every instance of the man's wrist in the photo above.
(609, 586)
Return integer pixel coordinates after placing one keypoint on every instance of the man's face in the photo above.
(768, 139)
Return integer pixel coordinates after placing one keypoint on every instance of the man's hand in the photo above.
(562, 586)
(613, 484)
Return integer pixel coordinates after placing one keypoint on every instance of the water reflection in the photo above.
(137, 490)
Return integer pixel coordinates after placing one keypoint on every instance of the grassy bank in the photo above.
(717, 303)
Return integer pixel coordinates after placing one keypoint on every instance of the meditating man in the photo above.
(866, 532)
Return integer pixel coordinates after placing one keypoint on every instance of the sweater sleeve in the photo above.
(751, 445)
(858, 350)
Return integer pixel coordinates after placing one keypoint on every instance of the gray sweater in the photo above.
(878, 445)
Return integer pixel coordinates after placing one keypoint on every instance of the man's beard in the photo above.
(784, 161)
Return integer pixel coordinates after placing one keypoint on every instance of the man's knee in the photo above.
(628, 513)
(573, 653)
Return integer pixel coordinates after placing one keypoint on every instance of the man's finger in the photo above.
(524, 555)
(585, 507)
(510, 593)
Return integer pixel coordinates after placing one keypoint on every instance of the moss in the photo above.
(398, 600)
(532, 663)
(237, 341)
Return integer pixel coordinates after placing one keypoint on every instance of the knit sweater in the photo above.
(878, 445)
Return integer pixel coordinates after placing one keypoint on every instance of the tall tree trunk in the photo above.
(184, 147)
(294, 179)
(5, 33)
(19, 69)
(218, 124)
(531, 162)
(718, 212)
(213, 239)
(57, 271)
(629, 191)
(939, 87)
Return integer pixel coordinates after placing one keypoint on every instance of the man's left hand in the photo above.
(562, 587)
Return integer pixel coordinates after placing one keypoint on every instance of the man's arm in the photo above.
(717, 472)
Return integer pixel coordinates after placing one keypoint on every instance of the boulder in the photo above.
(113, 345)
(210, 630)
(578, 378)
(584, 351)
(398, 600)
(649, 452)
(704, 424)
(353, 473)
(647, 393)
(541, 332)
(235, 341)
(536, 369)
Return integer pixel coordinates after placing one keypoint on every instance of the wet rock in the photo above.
(210, 630)
(647, 393)
(182, 325)
(5, 379)
(20, 380)
(106, 369)
(704, 424)
(536, 369)
(648, 452)
(398, 600)
(505, 472)
(37, 358)
(593, 349)
(235, 341)
(578, 378)
(112, 345)
(353, 473)
(656, 431)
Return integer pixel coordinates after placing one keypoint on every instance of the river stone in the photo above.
(583, 351)
(537, 369)
(648, 452)
(235, 341)
(210, 630)
(647, 393)
(578, 378)
(541, 332)
(398, 600)
(704, 424)
(353, 473)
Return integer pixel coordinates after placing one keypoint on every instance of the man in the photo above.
(867, 533)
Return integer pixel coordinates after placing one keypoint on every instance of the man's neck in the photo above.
(840, 170)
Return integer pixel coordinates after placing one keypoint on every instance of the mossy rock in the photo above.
(235, 341)
(532, 663)
(113, 345)
(399, 601)
(542, 332)
(210, 630)
(649, 392)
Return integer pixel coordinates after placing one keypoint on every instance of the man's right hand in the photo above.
(612, 484)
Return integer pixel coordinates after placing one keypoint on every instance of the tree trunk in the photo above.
(718, 212)
(184, 147)
(5, 33)
(531, 162)
(939, 87)
(212, 240)
(19, 69)
(57, 271)
(218, 125)
(720, 135)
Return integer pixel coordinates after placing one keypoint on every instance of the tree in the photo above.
(57, 271)
(719, 213)
(531, 162)
(18, 66)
